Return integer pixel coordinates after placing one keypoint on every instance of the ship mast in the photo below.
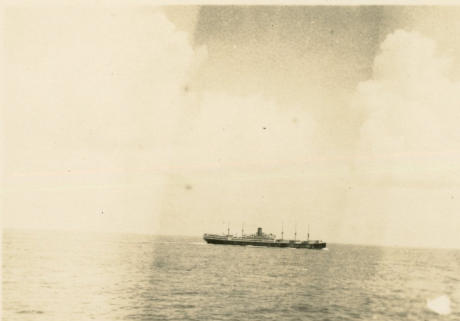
(228, 229)
(282, 230)
(242, 230)
(308, 233)
(295, 232)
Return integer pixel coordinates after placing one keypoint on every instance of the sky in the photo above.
(183, 120)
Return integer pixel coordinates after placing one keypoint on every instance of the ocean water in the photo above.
(89, 276)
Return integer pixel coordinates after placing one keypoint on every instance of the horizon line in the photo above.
(403, 246)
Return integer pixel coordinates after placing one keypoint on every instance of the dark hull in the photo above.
(312, 245)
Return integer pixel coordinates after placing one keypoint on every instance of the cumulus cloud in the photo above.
(406, 161)
(89, 84)
(94, 96)
(412, 112)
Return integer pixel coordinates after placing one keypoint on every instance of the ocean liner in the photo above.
(262, 239)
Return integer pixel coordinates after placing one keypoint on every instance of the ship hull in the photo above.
(282, 244)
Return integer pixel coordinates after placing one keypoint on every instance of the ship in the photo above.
(263, 239)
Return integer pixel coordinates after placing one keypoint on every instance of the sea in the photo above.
(57, 275)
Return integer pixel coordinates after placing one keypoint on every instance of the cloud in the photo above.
(406, 160)
(94, 96)
(243, 158)
(101, 105)
(412, 111)
(93, 84)
(242, 132)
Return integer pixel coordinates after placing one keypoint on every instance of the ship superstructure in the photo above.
(262, 239)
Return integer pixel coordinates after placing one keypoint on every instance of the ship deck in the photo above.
(249, 241)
